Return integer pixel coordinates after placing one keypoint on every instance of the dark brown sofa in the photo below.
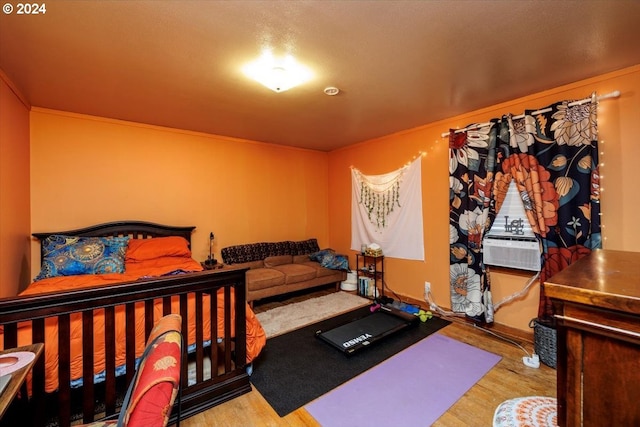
(280, 267)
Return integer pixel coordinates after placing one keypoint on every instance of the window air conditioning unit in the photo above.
(523, 254)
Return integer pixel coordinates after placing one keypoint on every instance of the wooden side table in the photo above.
(17, 377)
(215, 266)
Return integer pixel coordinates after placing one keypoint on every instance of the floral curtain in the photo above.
(472, 161)
(552, 155)
(554, 161)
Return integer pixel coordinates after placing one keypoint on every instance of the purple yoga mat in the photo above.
(413, 388)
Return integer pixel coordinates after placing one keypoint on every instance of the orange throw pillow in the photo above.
(158, 247)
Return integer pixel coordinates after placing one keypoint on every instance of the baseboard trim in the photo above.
(503, 330)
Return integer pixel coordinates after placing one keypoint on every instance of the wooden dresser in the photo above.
(597, 301)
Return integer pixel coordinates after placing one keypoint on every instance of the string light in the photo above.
(602, 224)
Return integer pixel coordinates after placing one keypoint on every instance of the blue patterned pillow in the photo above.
(71, 256)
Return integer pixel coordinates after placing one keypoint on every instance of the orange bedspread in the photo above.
(256, 338)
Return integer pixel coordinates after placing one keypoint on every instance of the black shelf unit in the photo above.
(372, 268)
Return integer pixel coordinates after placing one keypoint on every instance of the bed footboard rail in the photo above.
(216, 369)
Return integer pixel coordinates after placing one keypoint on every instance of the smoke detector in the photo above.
(331, 90)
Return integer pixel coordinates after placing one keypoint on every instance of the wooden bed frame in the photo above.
(228, 381)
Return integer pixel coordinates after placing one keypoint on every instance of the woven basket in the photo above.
(545, 340)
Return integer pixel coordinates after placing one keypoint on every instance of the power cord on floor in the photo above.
(435, 307)
(407, 306)
(530, 360)
(387, 287)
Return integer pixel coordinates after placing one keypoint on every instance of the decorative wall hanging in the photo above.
(387, 210)
(380, 197)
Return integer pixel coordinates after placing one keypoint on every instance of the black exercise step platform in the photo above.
(360, 333)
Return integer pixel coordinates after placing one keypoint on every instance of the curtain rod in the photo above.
(614, 94)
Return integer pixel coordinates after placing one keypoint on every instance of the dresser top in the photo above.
(604, 278)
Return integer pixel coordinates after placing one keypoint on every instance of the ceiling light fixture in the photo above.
(278, 74)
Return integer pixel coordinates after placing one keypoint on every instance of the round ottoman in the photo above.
(530, 411)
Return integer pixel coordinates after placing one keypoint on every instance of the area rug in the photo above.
(416, 386)
(284, 319)
(296, 368)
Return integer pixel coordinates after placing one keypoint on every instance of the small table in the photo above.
(215, 266)
(17, 377)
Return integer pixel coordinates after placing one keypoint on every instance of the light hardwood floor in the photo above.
(509, 378)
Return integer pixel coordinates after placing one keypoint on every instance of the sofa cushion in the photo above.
(259, 251)
(280, 248)
(246, 253)
(305, 247)
(255, 264)
(262, 278)
(296, 272)
(300, 259)
(320, 270)
(250, 264)
(273, 261)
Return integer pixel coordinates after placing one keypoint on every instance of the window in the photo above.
(512, 220)
(510, 242)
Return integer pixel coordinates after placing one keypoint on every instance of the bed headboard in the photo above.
(135, 229)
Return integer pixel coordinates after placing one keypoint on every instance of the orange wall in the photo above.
(619, 128)
(86, 170)
(14, 191)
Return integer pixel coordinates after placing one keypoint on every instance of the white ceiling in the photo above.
(399, 64)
